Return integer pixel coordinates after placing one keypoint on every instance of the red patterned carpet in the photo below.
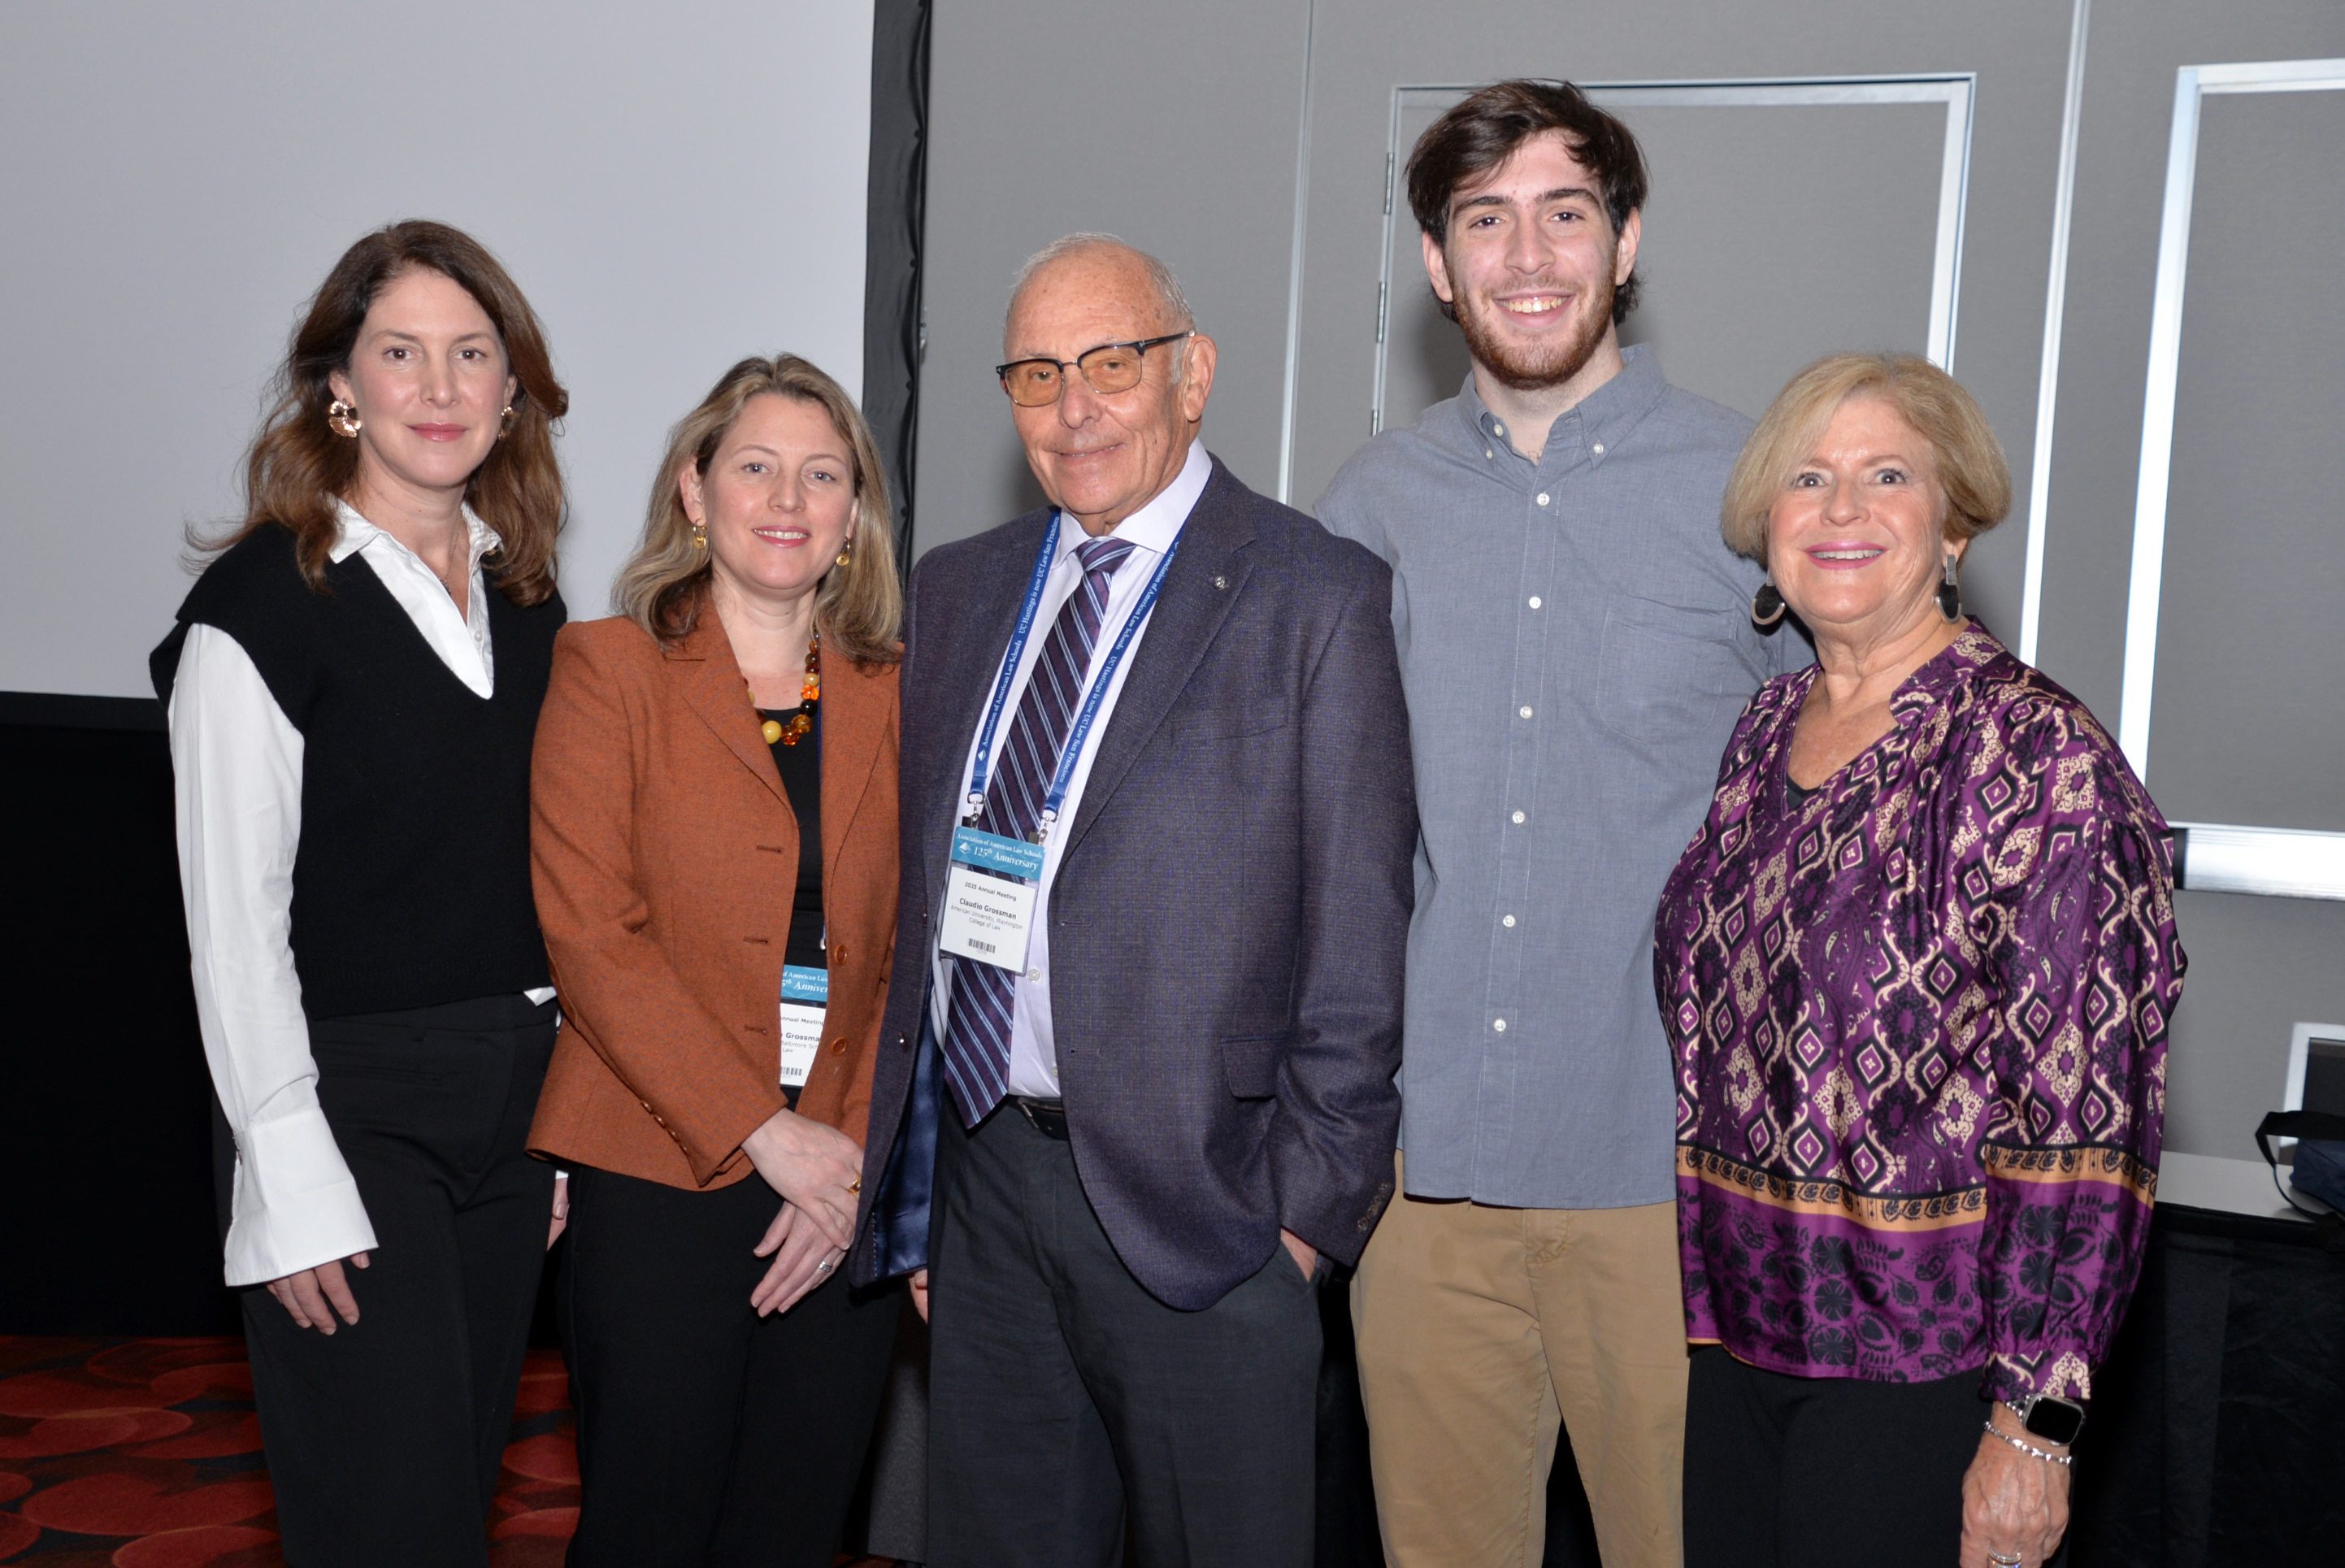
(145, 1453)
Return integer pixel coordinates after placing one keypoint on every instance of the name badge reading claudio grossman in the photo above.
(989, 898)
(805, 992)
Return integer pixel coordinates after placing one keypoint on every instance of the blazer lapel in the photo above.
(853, 721)
(704, 667)
(1208, 572)
(964, 630)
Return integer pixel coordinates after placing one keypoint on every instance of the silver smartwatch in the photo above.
(2047, 1416)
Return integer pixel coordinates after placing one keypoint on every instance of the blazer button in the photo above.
(838, 1046)
(838, 951)
(903, 1042)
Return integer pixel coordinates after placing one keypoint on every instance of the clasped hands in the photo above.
(818, 1170)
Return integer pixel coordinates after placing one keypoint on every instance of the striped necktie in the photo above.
(976, 1032)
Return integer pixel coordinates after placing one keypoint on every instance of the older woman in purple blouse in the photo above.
(1917, 970)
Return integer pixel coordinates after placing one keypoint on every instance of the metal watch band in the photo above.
(2028, 1448)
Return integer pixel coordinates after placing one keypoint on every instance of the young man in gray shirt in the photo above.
(1576, 643)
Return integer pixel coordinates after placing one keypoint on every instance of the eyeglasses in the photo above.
(1109, 369)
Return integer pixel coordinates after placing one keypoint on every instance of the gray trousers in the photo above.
(1073, 1416)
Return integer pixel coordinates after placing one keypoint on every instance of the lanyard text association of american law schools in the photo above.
(1103, 675)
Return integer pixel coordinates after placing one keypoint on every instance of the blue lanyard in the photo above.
(1103, 673)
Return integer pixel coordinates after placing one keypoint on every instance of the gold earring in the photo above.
(700, 537)
(842, 556)
(342, 418)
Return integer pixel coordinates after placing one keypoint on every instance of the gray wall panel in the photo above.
(2019, 47)
(2258, 966)
(179, 177)
(2248, 720)
(1196, 158)
(1173, 127)
(2113, 268)
(1735, 298)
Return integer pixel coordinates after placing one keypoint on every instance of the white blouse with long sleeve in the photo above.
(237, 786)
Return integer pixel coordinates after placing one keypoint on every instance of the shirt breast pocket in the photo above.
(1664, 668)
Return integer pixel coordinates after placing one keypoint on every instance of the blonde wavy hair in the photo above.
(1971, 470)
(858, 608)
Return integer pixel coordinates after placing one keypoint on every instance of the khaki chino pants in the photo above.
(1481, 1329)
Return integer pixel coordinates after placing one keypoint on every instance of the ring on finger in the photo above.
(1998, 1559)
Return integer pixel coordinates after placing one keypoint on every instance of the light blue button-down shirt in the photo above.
(1576, 644)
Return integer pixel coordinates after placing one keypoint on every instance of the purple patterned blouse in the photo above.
(1919, 1025)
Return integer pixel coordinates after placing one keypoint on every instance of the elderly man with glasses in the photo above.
(1157, 835)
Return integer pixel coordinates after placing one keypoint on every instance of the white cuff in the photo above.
(296, 1204)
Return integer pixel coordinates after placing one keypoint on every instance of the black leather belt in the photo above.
(1047, 1118)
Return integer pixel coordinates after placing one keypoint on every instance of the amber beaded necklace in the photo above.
(788, 731)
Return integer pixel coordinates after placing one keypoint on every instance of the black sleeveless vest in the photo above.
(411, 884)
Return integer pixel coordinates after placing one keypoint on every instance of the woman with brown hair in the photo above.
(353, 689)
(715, 842)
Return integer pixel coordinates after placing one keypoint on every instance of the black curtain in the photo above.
(894, 215)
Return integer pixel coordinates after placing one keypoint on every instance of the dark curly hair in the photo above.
(1483, 129)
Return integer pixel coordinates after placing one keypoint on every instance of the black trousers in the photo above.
(384, 1441)
(1071, 1412)
(1824, 1472)
(709, 1435)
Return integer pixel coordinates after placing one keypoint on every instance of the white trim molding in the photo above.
(2191, 84)
(2219, 858)
(1294, 271)
(2055, 302)
(1958, 90)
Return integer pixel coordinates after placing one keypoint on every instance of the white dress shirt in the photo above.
(1033, 1058)
(236, 764)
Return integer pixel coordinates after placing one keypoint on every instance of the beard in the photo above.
(1528, 368)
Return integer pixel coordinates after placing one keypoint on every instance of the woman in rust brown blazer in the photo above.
(714, 838)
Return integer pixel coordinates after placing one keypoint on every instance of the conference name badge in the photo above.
(989, 898)
(805, 992)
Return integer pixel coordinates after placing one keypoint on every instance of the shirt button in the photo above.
(1500, 1025)
(1500, 429)
(1524, 711)
(1597, 449)
(1542, 497)
(1035, 974)
(1487, 453)
(1506, 920)
(1518, 816)
(1535, 601)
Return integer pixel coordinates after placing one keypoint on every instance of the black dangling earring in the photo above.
(1767, 604)
(1950, 593)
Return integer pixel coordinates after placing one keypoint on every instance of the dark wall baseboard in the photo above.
(59, 710)
(107, 1154)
